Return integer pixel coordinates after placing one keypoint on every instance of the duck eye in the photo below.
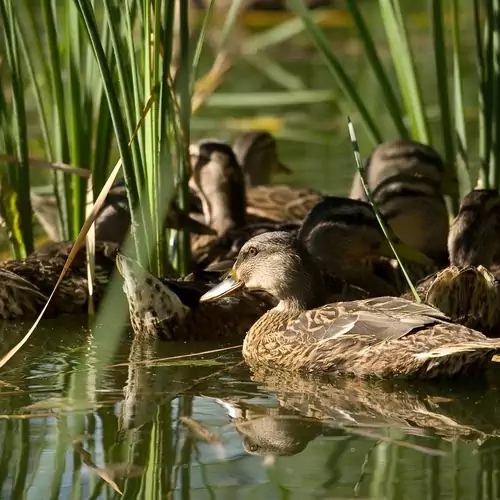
(252, 251)
(253, 448)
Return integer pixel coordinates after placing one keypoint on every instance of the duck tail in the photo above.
(492, 346)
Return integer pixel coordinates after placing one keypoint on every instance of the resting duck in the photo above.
(384, 336)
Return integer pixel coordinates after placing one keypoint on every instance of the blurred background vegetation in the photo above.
(77, 76)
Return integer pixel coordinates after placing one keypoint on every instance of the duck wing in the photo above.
(376, 320)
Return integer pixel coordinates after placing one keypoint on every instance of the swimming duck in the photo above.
(468, 291)
(26, 284)
(384, 337)
(345, 239)
(258, 156)
(341, 234)
(405, 178)
(169, 308)
(218, 181)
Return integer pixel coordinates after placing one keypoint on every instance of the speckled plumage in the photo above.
(169, 309)
(258, 156)
(25, 285)
(384, 336)
(468, 290)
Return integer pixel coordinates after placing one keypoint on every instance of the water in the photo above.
(69, 417)
(72, 425)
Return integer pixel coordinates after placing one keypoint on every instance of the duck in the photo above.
(257, 153)
(375, 337)
(217, 180)
(467, 290)
(169, 309)
(405, 178)
(26, 284)
(345, 239)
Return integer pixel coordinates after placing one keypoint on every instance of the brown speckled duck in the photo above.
(218, 181)
(384, 337)
(468, 290)
(258, 156)
(25, 285)
(405, 178)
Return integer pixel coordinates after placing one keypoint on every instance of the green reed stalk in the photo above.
(23, 461)
(462, 154)
(405, 69)
(61, 145)
(185, 118)
(334, 65)
(439, 40)
(121, 133)
(76, 106)
(199, 45)
(383, 80)
(494, 173)
(484, 62)
(380, 219)
(18, 175)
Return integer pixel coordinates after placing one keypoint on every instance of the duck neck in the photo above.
(225, 208)
(308, 287)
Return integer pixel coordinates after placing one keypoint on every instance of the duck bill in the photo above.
(281, 168)
(405, 252)
(224, 288)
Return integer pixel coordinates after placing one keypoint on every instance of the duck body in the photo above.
(468, 290)
(26, 284)
(405, 178)
(169, 308)
(257, 155)
(355, 338)
(382, 337)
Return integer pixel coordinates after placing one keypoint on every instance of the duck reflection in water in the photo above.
(312, 407)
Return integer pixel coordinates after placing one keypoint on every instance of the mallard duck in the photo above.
(217, 180)
(258, 156)
(468, 291)
(342, 234)
(169, 308)
(325, 231)
(384, 337)
(345, 239)
(25, 285)
(405, 178)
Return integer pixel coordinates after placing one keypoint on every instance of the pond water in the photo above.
(74, 425)
(79, 417)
